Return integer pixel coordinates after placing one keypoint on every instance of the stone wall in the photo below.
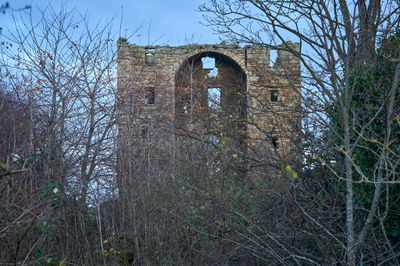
(259, 101)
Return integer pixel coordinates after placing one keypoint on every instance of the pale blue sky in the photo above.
(173, 22)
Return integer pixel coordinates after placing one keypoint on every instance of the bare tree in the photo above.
(337, 38)
(62, 68)
(179, 198)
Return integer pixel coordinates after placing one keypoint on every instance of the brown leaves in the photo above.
(42, 64)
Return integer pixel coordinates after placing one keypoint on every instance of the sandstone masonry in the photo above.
(208, 92)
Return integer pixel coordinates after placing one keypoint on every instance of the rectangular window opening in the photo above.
(149, 96)
(150, 58)
(208, 62)
(274, 95)
(144, 133)
(214, 98)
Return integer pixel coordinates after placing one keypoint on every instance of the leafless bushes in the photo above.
(61, 201)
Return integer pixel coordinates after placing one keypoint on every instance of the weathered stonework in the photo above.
(164, 94)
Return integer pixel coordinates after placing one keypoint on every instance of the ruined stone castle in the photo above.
(208, 93)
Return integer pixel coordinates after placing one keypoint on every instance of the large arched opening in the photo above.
(210, 105)
(210, 97)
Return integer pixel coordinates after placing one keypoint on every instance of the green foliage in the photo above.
(4, 166)
(371, 85)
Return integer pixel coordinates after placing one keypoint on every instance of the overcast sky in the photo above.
(173, 22)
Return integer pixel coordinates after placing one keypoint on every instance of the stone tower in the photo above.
(208, 93)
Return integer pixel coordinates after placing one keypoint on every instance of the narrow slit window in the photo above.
(185, 109)
(274, 96)
(214, 98)
(273, 55)
(275, 142)
(149, 96)
(144, 133)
